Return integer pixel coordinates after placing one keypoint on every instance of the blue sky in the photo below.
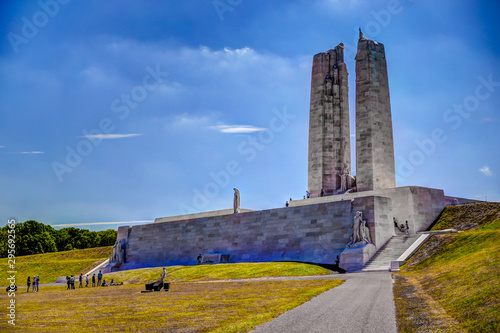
(119, 111)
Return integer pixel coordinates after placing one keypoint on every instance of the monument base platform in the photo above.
(355, 258)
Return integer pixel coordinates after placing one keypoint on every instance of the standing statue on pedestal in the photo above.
(236, 202)
(360, 232)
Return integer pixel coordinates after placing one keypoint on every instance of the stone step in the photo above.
(391, 251)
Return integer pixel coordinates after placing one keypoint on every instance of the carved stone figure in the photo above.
(119, 252)
(236, 203)
(351, 181)
(365, 231)
(343, 182)
(356, 235)
(360, 231)
(328, 86)
(344, 178)
(112, 257)
(335, 75)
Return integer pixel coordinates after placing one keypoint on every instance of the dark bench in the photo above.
(156, 286)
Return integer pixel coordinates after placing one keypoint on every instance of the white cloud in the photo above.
(486, 171)
(29, 152)
(109, 136)
(2, 147)
(186, 119)
(237, 128)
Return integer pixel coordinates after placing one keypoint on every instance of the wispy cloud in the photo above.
(29, 152)
(101, 223)
(486, 171)
(237, 128)
(186, 119)
(2, 147)
(108, 136)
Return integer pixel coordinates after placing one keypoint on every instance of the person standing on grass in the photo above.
(72, 281)
(29, 284)
(33, 282)
(81, 280)
(93, 280)
(164, 274)
(37, 283)
(68, 282)
(99, 278)
(87, 281)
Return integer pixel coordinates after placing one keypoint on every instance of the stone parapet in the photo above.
(199, 215)
(420, 206)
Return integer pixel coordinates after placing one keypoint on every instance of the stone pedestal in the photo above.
(355, 258)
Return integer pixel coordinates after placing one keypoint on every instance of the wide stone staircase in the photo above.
(391, 251)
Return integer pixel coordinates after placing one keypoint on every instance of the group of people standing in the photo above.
(71, 280)
(35, 282)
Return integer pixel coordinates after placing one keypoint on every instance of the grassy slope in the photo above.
(462, 271)
(49, 266)
(217, 272)
(467, 217)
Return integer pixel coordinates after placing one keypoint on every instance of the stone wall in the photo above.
(420, 206)
(310, 233)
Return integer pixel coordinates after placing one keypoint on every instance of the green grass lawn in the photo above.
(463, 276)
(49, 266)
(217, 272)
(187, 307)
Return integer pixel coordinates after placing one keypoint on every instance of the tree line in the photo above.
(33, 237)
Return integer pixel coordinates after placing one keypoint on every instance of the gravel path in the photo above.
(364, 303)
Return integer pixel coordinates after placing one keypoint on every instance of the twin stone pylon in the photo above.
(329, 136)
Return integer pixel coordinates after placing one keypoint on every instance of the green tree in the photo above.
(108, 237)
(33, 237)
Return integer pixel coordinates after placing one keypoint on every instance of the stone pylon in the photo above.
(374, 141)
(329, 137)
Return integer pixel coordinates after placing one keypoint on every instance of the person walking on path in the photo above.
(29, 284)
(81, 281)
(99, 278)
(68, 282)
(93, 280)
(407, 229)
(37, 283)
(87, 281)
(72, 281)
(33, 284)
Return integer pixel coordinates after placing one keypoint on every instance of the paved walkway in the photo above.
(363, 303)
